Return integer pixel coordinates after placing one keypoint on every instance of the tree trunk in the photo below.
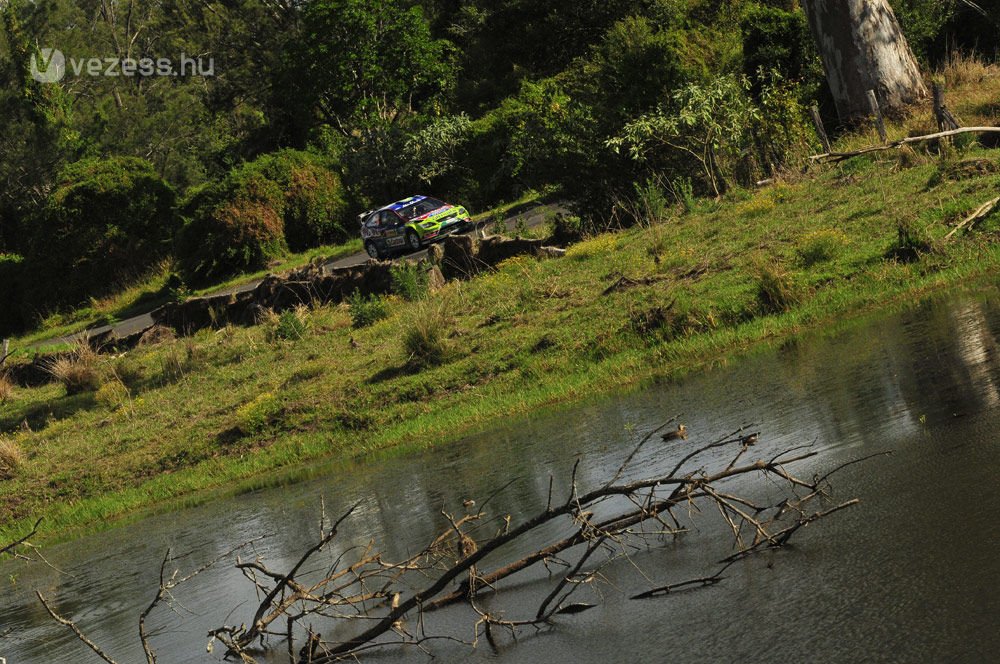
(863, 49)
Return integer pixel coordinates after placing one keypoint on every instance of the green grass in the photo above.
(150, 293)
(239, 407)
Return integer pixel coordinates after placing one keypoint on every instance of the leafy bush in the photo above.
(255, 416)
(718, 133)
(651, 203)
(292, 325)
(366, 311)
(566, 229)
(779, 41)
(708, 125)
(235, 225)
(106, 221)
(821, 246)
(409, 280)
(315, 209)
(683, 190)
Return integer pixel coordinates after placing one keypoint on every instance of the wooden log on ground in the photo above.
(910, 140)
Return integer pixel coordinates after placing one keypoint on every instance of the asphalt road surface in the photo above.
(532, 215)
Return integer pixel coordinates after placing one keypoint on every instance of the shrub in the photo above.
(255, 416)
(6, 389)
(425, 338)
(233, 226)
(292, 325)
(11, 457)
(910, 243)
(366, 311)
(651, 204)
(821, 246)
(776, 290)
(410, 281)
(78, 372)
(106, 221)
(683, 190)
(315, 210)
(566, 229)
(113, 395)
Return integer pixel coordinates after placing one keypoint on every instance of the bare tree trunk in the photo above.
(863, 49)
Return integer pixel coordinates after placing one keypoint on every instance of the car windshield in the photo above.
(425, 206)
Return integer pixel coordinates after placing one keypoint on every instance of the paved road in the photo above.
(532, 214)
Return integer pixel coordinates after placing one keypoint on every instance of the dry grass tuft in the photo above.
(6, 389)
(11, 458)
(967, 68)
(78, 372)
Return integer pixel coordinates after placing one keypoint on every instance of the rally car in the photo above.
(410, 224)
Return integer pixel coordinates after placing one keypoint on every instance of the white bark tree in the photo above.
(863, 48)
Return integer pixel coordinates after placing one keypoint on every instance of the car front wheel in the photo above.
(413, 240)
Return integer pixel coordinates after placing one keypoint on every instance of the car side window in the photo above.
(389, 219)
(372, 221)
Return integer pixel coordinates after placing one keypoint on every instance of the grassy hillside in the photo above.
(688, 289)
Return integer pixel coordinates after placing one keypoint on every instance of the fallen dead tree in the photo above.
(980, 213)
(834, 157)
(372, 602)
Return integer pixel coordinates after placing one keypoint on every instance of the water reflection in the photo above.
(907, 577)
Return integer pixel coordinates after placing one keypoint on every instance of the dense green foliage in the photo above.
(473, 101)
(236, 224)
(286, 199)
(105, 222)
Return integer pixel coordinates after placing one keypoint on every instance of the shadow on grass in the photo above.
(389, 373)
(38, 416)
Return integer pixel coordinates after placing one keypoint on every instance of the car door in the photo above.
(394, 230)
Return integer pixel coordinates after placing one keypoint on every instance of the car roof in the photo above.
(399, 205)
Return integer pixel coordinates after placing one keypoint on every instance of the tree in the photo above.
(106, 221)
(863, 48)
(364, 61)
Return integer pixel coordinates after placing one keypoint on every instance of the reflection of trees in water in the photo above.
(876, 382)
(951, 360)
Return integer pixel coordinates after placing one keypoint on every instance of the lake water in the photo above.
(910, 575)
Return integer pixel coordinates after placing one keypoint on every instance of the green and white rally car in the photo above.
(410, 224)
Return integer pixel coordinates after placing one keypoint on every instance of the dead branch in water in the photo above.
(167, 585)
(371, 603)
(23, 541)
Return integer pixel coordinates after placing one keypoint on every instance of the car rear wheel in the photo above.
(413, 240)
(372, 250)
